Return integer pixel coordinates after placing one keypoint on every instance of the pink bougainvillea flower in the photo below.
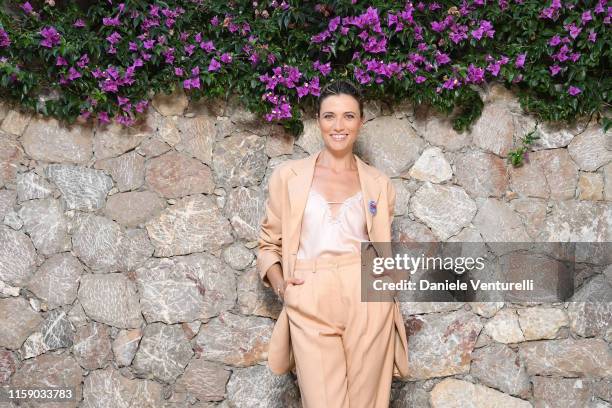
(5, 41)
(592, 36)
(83, 61)
(226, 58)
(178, 71)
(573, 90)
(26, 7)
(520, 60)
(573, 30)
(207, 46)
(324, 69)
(189, 49)
(214, 65)
(586, 17)
(73, 74)
(111, 21)
(114, 38)
(475, 74)
(554, 69)
(79, 23)
(141, 106)
(103, 117)
(50, 37)
(60, 61)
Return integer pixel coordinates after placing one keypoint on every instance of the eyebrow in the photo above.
(344, 112)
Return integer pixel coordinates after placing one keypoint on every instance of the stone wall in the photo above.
(127, 259)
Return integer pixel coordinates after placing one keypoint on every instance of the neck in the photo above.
(337, 161)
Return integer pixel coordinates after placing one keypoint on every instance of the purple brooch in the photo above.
(372, 207)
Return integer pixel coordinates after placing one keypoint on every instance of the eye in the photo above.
(350, 115)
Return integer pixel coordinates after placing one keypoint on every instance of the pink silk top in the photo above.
(322, 234)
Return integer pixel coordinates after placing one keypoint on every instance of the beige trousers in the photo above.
(343, 348)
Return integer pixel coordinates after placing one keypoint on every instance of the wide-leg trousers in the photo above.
(343, 348)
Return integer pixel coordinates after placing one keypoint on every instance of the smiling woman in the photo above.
(345, 351)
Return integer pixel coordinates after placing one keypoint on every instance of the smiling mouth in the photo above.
(339, 137)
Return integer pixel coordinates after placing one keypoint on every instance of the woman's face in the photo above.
(339, 121)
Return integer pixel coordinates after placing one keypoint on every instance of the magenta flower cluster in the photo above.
(196, 59)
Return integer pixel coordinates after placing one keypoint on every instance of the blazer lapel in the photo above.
(299, 187)
(371, 191)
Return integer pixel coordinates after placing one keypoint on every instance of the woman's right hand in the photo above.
(291, 281)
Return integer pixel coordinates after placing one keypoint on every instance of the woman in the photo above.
(319, 211)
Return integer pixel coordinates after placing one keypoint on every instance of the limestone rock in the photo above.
(562, 392)
(311, 139)
(110, 299)
(55, 332)
(453, 393)
(127, 170)
(51, 371)
(46, 224)
(15, 122)
(92, 346)
(125, 345)
(109, 389)
(588, 149)
(590, 311)
(390, 145)
(279, 142)
(45, 140)
(254, 298)
(494, 129)
(17, 257)
(431, 166)
(7, 201)
(541, 322)
(11, 157)
(445, 209)
(163, 353)
(134, 208)
(194, 224)
(31, 186)
(498, 366)
(481, 174)
(204, 380)
(114, 139)
(235, 340)
(237, 256)
(184, 289)
(438, 130)
(240, 160)
(442, 344)
(197, 137)
(560, 171)
(82, 188)
(257, 386)
(577, 221)
(590, 186)
(405, 230)
(175, 175)
(497, 222)
(567, 358)
(504, 327)
(607, 172)
(171, 104)
(245, 209)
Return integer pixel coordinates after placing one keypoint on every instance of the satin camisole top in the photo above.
(323, 234)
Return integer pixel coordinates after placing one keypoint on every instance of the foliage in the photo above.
(516, 156)
(105, 60)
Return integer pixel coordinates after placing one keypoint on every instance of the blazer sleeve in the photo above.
(270, 236)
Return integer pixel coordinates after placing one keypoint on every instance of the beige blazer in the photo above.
(288, 190)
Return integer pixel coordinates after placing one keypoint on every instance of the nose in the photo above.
(338, 125)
